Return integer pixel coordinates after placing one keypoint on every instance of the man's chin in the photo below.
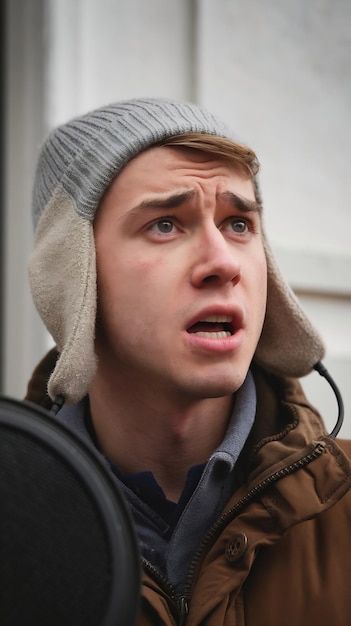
(221, 388)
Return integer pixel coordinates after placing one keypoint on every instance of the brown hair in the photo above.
(217, 146)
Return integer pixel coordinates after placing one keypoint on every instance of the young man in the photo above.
(179, 346)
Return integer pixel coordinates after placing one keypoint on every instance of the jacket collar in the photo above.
(289, 461)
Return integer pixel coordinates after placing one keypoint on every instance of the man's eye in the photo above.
(162, 226)
(239, 226)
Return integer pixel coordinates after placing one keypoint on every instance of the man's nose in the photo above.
(217, 259)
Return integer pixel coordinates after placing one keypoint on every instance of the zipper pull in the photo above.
(183, 610)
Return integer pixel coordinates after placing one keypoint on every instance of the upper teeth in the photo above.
(218, 318)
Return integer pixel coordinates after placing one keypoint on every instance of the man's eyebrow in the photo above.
(238, 202)
(167, 201)
(178, 198)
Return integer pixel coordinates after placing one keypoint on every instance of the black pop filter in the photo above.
(68, 551)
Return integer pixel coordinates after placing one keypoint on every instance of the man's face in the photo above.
(181, 275)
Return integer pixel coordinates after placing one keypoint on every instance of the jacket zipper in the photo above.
(181, 603)
(233, 512)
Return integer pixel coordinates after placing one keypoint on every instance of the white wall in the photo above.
(24, 339)
(110, 50)
(279, 72)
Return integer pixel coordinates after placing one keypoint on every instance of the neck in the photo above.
(140, 432)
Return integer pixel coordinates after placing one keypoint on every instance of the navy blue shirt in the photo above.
(169, 533)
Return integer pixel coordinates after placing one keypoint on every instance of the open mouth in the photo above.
(213, 327)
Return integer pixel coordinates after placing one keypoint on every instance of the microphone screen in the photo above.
(68, 552)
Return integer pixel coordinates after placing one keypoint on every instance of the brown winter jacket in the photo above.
(280, 554)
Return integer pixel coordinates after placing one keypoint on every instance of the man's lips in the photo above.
(216, 325)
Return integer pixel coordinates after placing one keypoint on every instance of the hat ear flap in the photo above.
(289, 345)
(62, 274)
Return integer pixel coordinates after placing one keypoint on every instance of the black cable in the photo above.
(57, 405)
(321, 369)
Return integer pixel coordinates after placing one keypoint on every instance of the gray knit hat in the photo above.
(76, 165)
